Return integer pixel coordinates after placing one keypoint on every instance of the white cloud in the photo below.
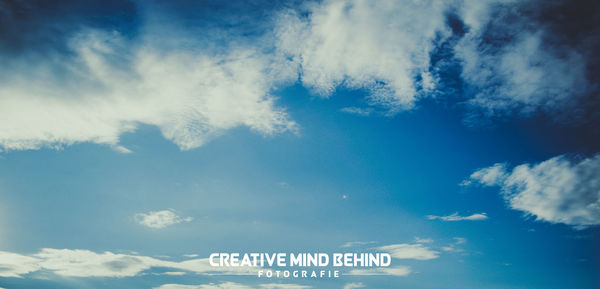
(393, 271)
(382, 46)
(385, 47)
(231, 285)
(181, 286)
(456, 217)
(174, 273)
(109, 86)
(282, 286)
(476, 13)
(410, 251)
(398, 251)
(556, 190)
(85, 263)
(424, 240)
(455, 246)
(357, 110)
(459, 240)
(160, 219)
(489, 176)
(354, 286)
(356, 243)
(16, 265)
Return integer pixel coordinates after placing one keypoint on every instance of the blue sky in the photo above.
(137, 138)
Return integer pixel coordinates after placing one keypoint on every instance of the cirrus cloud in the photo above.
(456, 217)
(160, 219)
(410, 251)
(392, 271)
(354, 285)
(85, 263)
(232, 285)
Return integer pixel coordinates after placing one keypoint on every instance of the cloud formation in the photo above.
(417, 251)
(110, 86)
(99, 83)
(455, 247)
(524, 76)
(410, 251)
(232, 285)
(356, 243)
(510, 62)
(354, 285)
(392, 271)
(16, 265)
(456, 217)
(160, 219)
(85, 263)
(381, 46)
(423, 240)
(557, 190)
(357, 111)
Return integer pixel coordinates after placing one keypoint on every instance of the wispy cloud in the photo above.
(232, 285)
(460, 240)
(110, 86)
(556, 190)
(456, 246)
(520, 71)
(354, 286)
(356, 243)
(488, 176)
(410, 251)
(85, 263)
(416, 251)
(174, 273)
(357, 111)
(423, 240)
(393, 271)
(456, 217)
(160, 219)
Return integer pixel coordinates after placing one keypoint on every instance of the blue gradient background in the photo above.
(247, 192)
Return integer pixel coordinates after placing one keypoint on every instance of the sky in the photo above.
(139, 137)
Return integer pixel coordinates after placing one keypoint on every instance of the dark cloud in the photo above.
(569, 37)
(576, 24)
